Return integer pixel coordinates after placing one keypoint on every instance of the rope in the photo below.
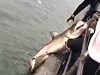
(84, 48)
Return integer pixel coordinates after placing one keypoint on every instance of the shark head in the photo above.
(76, 29)
(80, 25)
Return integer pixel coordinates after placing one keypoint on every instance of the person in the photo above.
(94, 53)
(94, 7)
(72, 42)
(76, 47)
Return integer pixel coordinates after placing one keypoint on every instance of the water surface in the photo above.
(25, 27)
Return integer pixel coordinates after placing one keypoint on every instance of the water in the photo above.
(25, 27)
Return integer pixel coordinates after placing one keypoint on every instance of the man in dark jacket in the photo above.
(76, 48)
(94, 7)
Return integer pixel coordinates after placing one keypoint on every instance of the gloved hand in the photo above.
(71, 18)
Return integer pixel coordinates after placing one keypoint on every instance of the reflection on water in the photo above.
(25, 27)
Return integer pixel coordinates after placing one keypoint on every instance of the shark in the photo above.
(57, 44)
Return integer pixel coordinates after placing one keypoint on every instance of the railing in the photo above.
(79, 64)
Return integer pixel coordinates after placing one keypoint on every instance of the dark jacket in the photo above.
(85, 3)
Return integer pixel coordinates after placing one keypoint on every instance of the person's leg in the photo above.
(98, 70)
(90, 66)
(88, 14)
(75, 44)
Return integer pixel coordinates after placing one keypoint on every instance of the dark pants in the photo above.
(75, 44)
(90, 66)
(89, 14)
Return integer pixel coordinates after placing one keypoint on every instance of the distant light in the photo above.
(39, 1)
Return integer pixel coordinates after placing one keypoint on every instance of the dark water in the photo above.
(25, 27)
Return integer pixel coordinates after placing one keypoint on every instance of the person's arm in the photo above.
(84, 4)
(81, 7)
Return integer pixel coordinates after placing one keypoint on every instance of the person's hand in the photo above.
(71, 18)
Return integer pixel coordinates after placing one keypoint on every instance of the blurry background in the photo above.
(25, 27)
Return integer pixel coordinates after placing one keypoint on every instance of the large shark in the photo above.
(57, 43)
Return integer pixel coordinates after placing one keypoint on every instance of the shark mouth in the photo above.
(80, 26)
